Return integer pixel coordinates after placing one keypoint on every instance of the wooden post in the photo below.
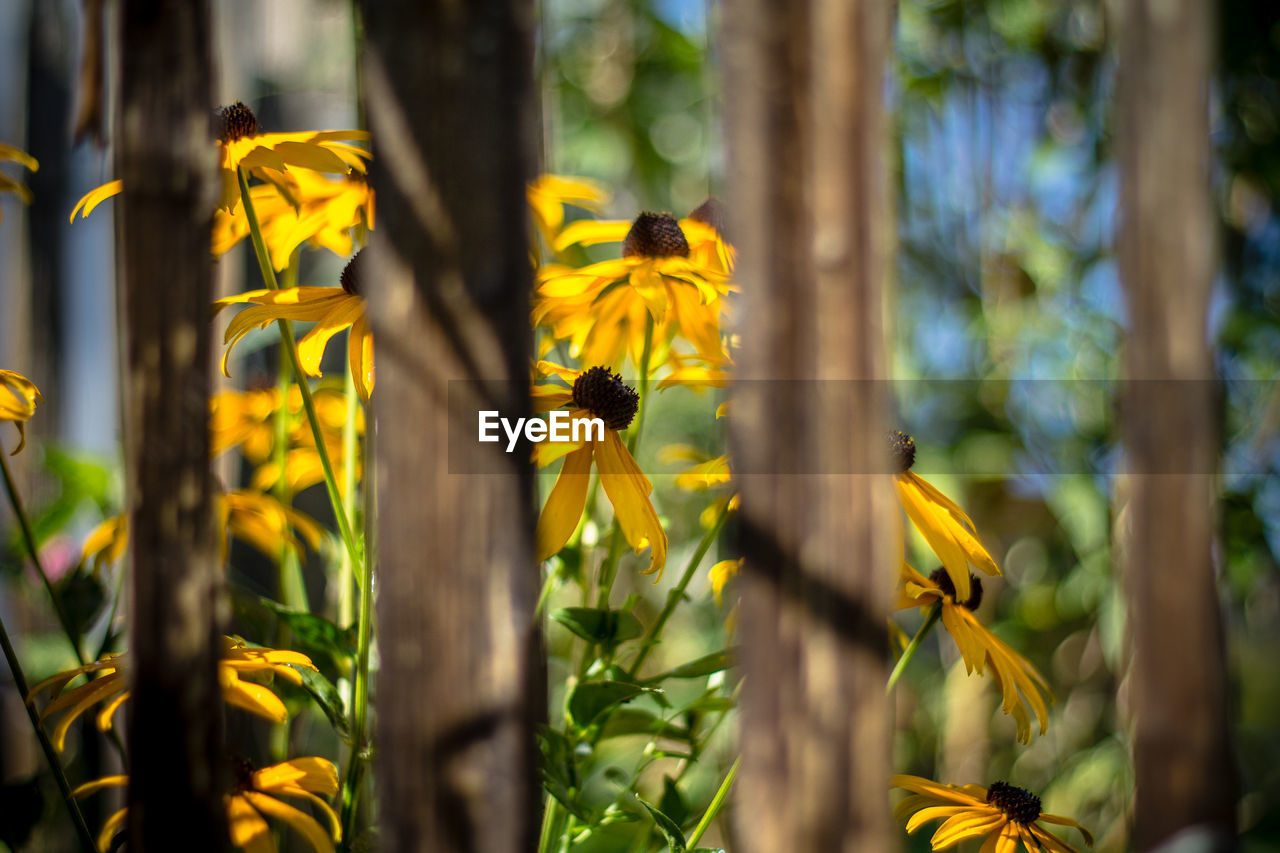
(449, 102)
(166, 159)
(812, 220)
(1181, 747)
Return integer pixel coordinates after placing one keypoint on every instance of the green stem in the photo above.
(717, 802)
(909, 652)
(291, 349)
(350, 439)
(364, 638)
(553, 825)
(643, 382)
(29, 538)
(64, 787)
(676, 594)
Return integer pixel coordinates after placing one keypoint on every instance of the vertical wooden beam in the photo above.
(1181, 747)
(805, 92)
(449, 103)
(165, 156)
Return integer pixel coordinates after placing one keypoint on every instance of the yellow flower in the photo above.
(306, 207)
(595, 393)
(548, 194)
(246, 419)
(18, 398)
(253, 517)
(603, 309)
(265, 155)
(721, 573)
(110, 686)
(944, 525)
(1003, 814)
(9, 185)
(332, 309)
(979, 647)
(255, 798)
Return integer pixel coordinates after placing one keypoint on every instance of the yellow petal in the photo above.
(251, 697)
(95, 197)
(628, 490)
(563, 509)
(247, 828)
(310, 773)
(303, 823)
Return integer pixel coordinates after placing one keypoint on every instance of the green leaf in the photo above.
(672, 802)
(315, 635)
(669, 828)
(593, 698)
(600, 626)
(326, 696)
(635, 721)
(714, 662)
(83, 597)
(713, 704)
(558, 771)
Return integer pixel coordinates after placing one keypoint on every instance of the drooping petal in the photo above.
(248, 830)
(251, 697)
(342, 315)
(360, 357)
(628, 490)
(564, 506)
(305, 824)
(95, 197)
(1066, 821)
(934, 524)
(310, 773)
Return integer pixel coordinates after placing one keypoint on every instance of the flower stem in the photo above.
(643, 382)
(64, 787)
(717, 801)
(291, 349)
(676, 594)
(364, 638)
(909, 652)
(28, 537)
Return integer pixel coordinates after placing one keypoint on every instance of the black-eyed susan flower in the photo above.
(109, 684)
(945, 526)
(18, 399)
(245, 419)
(1003, 815)
(604, 310)
(268, 156)
(548, 195)
(1023, 688)
(332, 309)
(304, 207)
(595, 393)
(255, 798)
(9, 185)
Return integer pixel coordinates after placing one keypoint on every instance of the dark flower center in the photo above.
(350, 278)
(655, 235)
(943, 580)
(902, 450)
(1018, 805)
(238, 121)
(711, 212)
(604, 395)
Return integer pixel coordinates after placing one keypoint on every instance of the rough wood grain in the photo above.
(811, 218)
(1181, 747)
(449, 92)
(165, 156)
